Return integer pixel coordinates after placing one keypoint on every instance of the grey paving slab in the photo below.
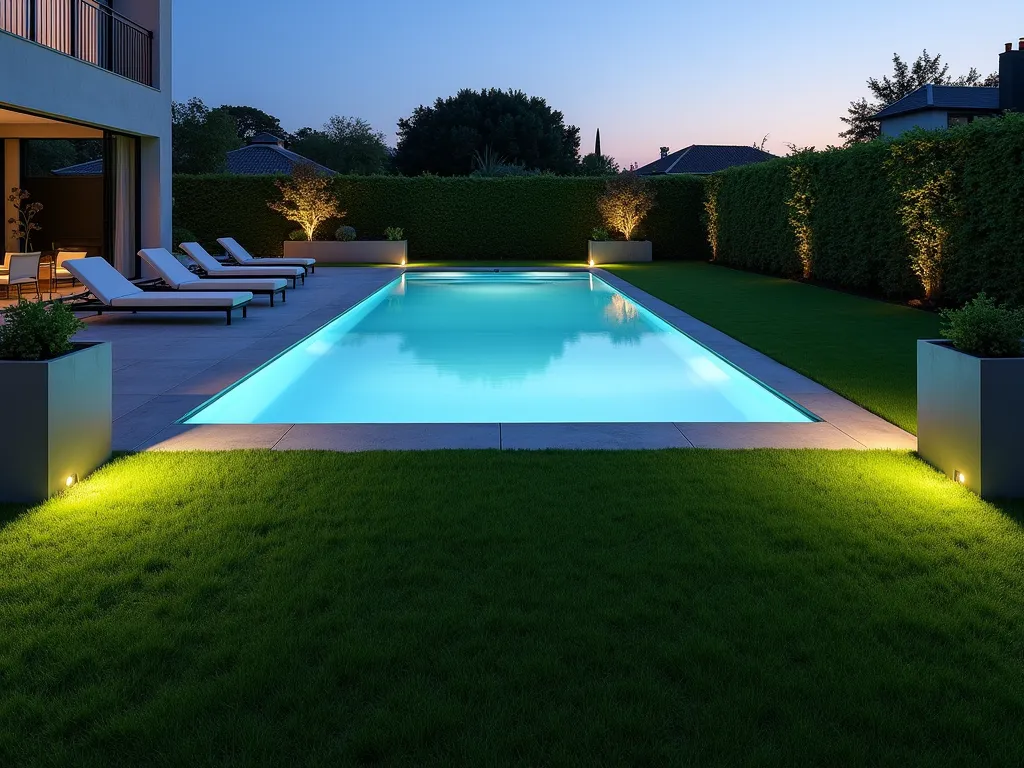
(735, 436)
(863, 426)
(125, 404)
(219, 437)
(591, 436)
(155, 377)
(139, 425)
(390, 437)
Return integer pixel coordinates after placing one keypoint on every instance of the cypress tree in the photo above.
(597, 144)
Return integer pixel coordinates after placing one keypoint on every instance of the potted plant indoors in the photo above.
(970, 412)
(57, 398)
(347, 249)
(626, 201)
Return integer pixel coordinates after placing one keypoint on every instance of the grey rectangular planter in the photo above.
(352, 252)
(57, 421)
(970, 418)
(618, 251)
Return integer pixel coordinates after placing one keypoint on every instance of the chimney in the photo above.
(664, 152)
(1011, 78)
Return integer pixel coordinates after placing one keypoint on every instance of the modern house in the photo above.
(92, 78)
(935, 107)
(703, 159)
(265, 154)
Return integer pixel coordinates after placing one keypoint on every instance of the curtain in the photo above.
(125, 196)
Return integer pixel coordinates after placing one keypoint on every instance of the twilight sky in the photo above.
(646, 72)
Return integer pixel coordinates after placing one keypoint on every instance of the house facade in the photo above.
(90, 78)
(936, 107)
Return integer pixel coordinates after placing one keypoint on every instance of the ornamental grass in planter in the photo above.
(57, 397)
(969, 398)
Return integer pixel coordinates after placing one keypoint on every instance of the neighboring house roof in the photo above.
(259, 159)
(90, 168)
(967, 97)
(264, 155)
(704, 159)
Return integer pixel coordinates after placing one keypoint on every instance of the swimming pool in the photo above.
(497, 347)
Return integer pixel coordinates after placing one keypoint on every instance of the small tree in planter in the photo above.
(307, 199)
(23, 223)
(60, 398)
(626, 201)
(969, 410)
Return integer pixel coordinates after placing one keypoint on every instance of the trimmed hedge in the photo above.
(546, 218)
(875, 207)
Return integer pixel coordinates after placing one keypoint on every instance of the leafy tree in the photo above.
(345, 145)
(906, 78)
(251, 121)
(201, 137)
(626, 201)
(307, 198)
(443, 138)
(598, 165)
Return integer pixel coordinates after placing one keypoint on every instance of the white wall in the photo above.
(40, 80)
(932, 119)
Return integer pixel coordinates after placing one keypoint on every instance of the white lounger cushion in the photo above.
(239, 254)
(176, 275)
(213, 267)
(102, 280)
(179, 299)
(114, 289)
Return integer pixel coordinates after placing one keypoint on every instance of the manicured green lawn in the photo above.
(484, 608)
(865, 350)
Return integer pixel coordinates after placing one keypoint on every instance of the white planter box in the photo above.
(353, 252)
(618, 251)
(57, 421)
(970, 418)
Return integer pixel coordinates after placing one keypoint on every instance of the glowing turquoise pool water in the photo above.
(488, 347)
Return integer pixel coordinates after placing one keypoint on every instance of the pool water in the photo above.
(492, 347)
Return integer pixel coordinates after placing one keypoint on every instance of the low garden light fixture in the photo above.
(959, 477)
(71, 480)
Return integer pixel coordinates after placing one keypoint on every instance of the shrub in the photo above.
(626, 201)
(394, 233)
(34, 331)
(181, 235)
(297, 234)
(345, 234)
(599, 233)
(530, 218)
(984, 328)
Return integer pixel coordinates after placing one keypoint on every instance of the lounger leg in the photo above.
(271, 298)
(284, 295)
(245, 311)
(229, 317)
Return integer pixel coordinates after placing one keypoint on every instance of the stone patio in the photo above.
(167, 365)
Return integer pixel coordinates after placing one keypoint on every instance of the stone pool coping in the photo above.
(167, 365)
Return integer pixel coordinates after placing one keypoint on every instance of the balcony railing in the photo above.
(85, 29)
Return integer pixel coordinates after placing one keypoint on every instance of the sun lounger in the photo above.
(244, 259)
(217, 271)
(113, 292)
(177, 277)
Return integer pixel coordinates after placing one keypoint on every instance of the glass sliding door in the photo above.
(121, 169)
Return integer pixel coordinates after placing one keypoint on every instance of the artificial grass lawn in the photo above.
(863, 349)
(485, 608)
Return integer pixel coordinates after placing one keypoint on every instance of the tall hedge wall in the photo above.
(534, 218)
(871, 203)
